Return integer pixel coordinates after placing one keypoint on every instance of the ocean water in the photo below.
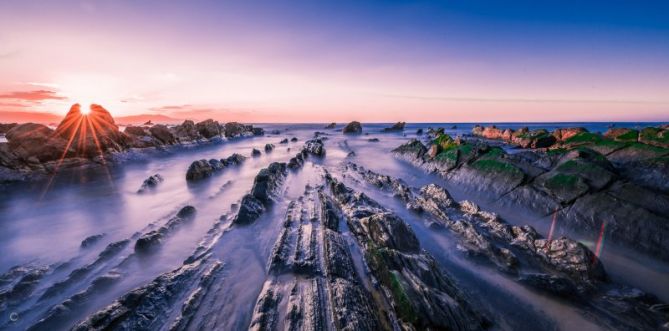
(43, 224)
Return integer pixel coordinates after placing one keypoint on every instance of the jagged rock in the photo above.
(284, 141)
(269, 147)
(266, 186)
(234, 129)
(250, 210)
(163, 134)
(353, 128)
(186, 131)
(399, 126)
(209, 128)
(37, 141)
(562, 134)
(5, 127)
(314, 146)
(153, 238)
(92, 134)
(423, 297)
(234, 159)
(331, 125)
(216, 165)
(255, 152)
(136, 131)
(294, 139)
(199, 169)
(151, 183)
(92, 240)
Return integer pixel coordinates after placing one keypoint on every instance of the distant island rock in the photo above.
(331, 125)
(353, 128)
(397, 127)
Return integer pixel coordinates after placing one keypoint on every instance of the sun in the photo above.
(85, 109)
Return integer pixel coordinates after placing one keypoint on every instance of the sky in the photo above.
(337, 61)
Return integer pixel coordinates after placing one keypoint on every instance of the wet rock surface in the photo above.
(562, 267)
(584, 184)
(397, 127)
(421, 295)
(151, 183)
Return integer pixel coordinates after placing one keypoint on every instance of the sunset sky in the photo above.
(318, 61)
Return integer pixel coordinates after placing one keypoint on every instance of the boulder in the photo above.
(419, 132)
(283, 141)
(294, 139)
(562, 134)
(331, 125)
(31, 140)
(353, 128)
(199, 169)
(269, 147)
(492, 132)
(186, 131)
(234, 159)
(399, 126)
(255, 152)
(151, 183)
(208, 128)
(534, 139)
(136, 131)
(92, 240)
(4, 127)
(163, 134)
(234, 129)
(314, 146)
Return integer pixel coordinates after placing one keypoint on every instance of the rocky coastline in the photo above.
(33, 150)
(616, 181)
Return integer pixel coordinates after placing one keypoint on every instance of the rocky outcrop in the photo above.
(255, 152)
(331, 126)
(312, 281)
(4, 127)
(234, 129)
(353, 128)
(269, 148)
(561, 267)
(397, 127)
(209, 129)
(580, 181)
(33, 143)
(266, 187)
(154, 238)
(151, 183)
(314, 147)
(201, 169)
(421, 295)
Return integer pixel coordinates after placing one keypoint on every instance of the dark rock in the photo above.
(199, 169)
(151, 239)
(353, 128)
(331, 125)
(151, 183)
(269, 147)
(255, 152)
(4, 127)
(551, 284)
(250, 210)
(209, 128)
(163, 134)
(216, 165)
(419, 132)
(136, 131)
(373, 140)
(234, 129)
(187, 131)
(234, 159)
(399, 126)
(294, 139)
(284, 141)
(92, 240)
(315, 147)
(37, 141)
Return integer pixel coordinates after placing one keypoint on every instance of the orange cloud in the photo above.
(33, 96)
